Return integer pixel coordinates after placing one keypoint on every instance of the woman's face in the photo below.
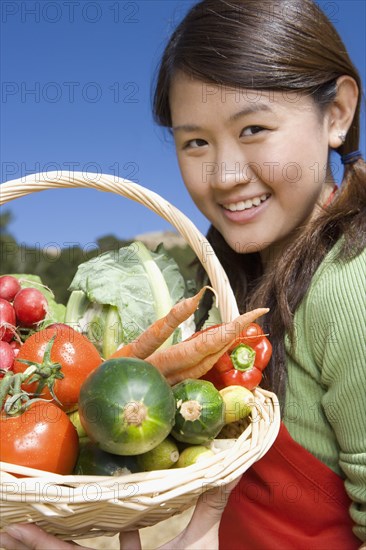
(254, 163)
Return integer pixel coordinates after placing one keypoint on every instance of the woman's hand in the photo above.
(201, 532)
(30, 537)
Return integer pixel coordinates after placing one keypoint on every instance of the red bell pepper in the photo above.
(243, 363)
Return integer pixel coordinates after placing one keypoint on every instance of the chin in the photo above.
(245, 247)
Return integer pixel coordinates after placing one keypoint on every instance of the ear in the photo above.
(342, 110)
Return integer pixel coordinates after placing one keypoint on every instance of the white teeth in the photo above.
(244, 205)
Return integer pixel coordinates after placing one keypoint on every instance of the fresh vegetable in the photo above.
(15, 346)
(161, 457)
(30, 306)
(157, 333)
(191, 455)
(194, 357)
(75, 419)
(243, 362)
(55, 311)
(199, 411)
(41, 437)
(63, 358)
(7, 320)
(7, 356)
(95, 462)
(117, 295)
(238, 403)
(34, 433)
(9, 286)
(126, 406)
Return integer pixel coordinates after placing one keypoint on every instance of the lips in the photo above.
(242, 205)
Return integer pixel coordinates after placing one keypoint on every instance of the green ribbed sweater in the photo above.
(326, 391)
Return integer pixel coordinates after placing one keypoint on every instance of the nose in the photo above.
(229, 168)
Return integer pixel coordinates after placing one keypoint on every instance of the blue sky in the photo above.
(76, 91)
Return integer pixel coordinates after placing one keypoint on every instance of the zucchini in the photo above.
(126, 406)
(95, 462)
(200, 412)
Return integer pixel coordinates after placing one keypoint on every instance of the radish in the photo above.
(15, 346)
(9, 286)
(6, 356)
(7, 320)
(30, 306)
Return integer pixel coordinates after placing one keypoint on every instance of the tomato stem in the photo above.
(5, 387)
(47, 372)
(11, 392)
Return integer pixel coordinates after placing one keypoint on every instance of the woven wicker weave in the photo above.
(85, 506)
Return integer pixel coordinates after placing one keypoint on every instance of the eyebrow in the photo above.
(253, 108)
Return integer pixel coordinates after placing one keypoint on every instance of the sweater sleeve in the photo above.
(340, 349)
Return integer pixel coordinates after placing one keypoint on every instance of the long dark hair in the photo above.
(273, 45)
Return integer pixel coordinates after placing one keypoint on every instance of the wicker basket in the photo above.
(74, 507)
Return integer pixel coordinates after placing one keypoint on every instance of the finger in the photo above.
(217, 497)
(8, 543)
(211, 505)
(31, 537)
(203, 528)
(129, 540)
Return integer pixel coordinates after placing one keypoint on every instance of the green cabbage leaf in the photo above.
(118, 294)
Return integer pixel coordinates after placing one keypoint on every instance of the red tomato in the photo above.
(42, 437)
(73, 351)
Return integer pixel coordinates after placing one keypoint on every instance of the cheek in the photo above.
(294, 170)
(292, 173)
(194, 180)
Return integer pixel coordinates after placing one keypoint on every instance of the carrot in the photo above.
(193, 357)
(157, 333)
(196, 371)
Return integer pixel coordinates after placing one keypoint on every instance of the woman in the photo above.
(258, 95)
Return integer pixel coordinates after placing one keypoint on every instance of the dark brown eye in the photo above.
(251, 130)
(195, 143)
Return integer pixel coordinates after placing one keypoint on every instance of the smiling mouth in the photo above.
(245, 205)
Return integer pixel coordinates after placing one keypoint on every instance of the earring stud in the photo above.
(342, 136)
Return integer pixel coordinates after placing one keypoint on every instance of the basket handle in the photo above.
(34, 183)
